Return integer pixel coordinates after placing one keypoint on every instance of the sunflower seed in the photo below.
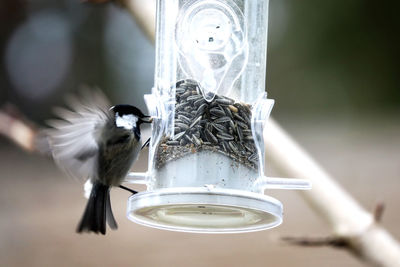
(242, 125)
(241, 148)
(232, 124)
(186, 94)
(240, 118)
(219, 127)
(245, 117)
(179, 90)
(181, 125)
(224, 136)
(223, 119)
(177, 130)
(188, 139)
(253, 157)
(194, 97)
(191, 82)
(199, 102)
(240, 133)
(217, 112)
(224, 101)
(233, 147)
(211, 137)
(182, 142)
(225, 146)
(180, 106)
(248, 137)
(228, 112)
(184, 119)
(197, 134)
(249, 147)
(186, 114)
(178, 136)
(196, 140)
(195, 122)
(201, 109)
(246, 132)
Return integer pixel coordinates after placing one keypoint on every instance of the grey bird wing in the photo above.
(73, 137)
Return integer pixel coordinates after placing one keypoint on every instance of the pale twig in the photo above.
(17, 129)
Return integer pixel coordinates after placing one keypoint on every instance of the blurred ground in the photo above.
(40, 208)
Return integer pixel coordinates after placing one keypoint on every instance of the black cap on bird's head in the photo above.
(127, 111)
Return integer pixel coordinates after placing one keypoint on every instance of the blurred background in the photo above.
(333, 69)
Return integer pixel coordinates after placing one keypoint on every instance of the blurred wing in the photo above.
(73, 137)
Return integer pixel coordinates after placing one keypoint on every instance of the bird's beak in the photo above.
(147, 119)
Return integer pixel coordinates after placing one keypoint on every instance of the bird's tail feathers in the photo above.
(98, 211)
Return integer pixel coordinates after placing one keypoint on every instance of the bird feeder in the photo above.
(206, 157)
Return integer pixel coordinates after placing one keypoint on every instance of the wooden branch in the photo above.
(17, 129)
(356, 227)
(143, 11)
(331, 241)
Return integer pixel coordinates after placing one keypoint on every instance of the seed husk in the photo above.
(233, 108)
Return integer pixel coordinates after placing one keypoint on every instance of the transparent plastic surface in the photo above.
(212, 44)
(209, 108)
(205, 211)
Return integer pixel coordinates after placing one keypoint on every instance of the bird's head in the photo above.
(129, 117)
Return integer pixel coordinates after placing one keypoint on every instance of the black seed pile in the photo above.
(221, 125)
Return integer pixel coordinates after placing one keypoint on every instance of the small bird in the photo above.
(93, 141)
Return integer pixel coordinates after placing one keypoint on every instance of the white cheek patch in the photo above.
(126, 121)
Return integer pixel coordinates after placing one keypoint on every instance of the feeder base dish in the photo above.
(204, 210)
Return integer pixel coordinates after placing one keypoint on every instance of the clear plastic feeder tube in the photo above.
(206, 160)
